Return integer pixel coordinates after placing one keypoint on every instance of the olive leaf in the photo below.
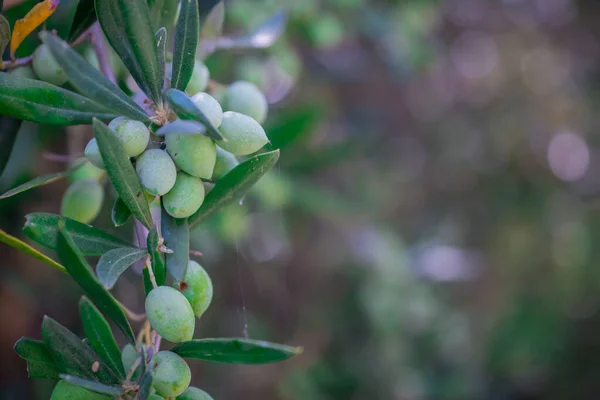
(42, 102)
(39, 361)
(235, 351)
(112, 264)
(161, 49)
(121, 173)
(34, 18)
(182, 127)
(186, 43)
(91, 241)
(27, 249)
(126, 25)
(156, 261)
(234, 185)
(145, 387)
(120, 214)
(85, 16)
(93, 386)
(82, 273)
(176, 233)
(162, 13)
(213, 24)
(9, 127)
(90, 82)
(185, 109)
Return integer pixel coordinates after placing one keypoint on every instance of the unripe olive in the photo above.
(133, 135)
(193, 393)
(67, 391)
(245, 98)
(210, 107)
(92, 153)
(23, 72)
(170, 374)
(225, 163)
(244, 135)
(82, 201)
(197, 288)
(156, 171)
(86, 171)
(185, 198)
(170, 314)
(194, 154)
(199, 79)
(47, 68)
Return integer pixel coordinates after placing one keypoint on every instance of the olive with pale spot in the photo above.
(170, 314)
(133, 135)
(82, 201)
(209, 107)
(171, 375)
(197, 288)
(185, 198)
(244, 135)
(194, 154)
(47, 68)
(156, 171)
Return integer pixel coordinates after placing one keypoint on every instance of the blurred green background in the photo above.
(429, 231)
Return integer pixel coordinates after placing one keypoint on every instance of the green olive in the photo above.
(193, 393)
(133, 135)
(92, 153)
(245, 98)
(170, 314)
(225, 163)
(86, 171)
(244, 135)
(194, 154)
(170, 374)
(83, 201)
(185, 198)
(156, 171)
(47, 68)
(197, 288)
(67, 391)
(199, 80)
(209, 107)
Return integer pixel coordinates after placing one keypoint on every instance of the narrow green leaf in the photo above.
(176, 233)
(187, 32)
(39, 361)
(156, 256)
(163, 13)
(161, 49)
(185, 109)
(43, 229)
(145, 387)
(93, 386)
(9, 127)
(293, 125)
(85, 16)
(120, 213)
(27, 249)
(213, 24)
(182, 127)
(4, 34)
(39, 181)
(100, 336)
(72, 356)
(83, 275)
(38, 101)
(122, 174)
(127, 26)
(90, 82)
(112, 264)
(235, 184)
(235, 351)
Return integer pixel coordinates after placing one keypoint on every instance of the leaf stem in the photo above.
(134, 366)
(132, 315)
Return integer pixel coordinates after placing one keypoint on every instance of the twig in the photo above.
(134, 366)
(61, 158)
(148, 265)
(195, 253)
(19, 62)
(131, 315)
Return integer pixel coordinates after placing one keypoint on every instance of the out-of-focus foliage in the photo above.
(429, 233)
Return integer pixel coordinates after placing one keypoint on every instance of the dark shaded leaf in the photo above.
(85, 16)
(145, 387)
(292, 125)
(9, 127)
(162, 13)
(93, 386)
(39, 361)
(90, 82)
(186, 43)
(176, 233)
(72, 356)
(84, 276)
(182, 127)
(127, 26)
(236, 351)
(112, 264)
(185, 109)
(37, 101)
(43, 229)
(213, 24)
(100, 336)
(121, 173)
(161, 49)
(156, 257)
(39, 181)
(25, 248)
(235, 184)
(120, 213)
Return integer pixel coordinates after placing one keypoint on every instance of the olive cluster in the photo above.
(176, 169)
